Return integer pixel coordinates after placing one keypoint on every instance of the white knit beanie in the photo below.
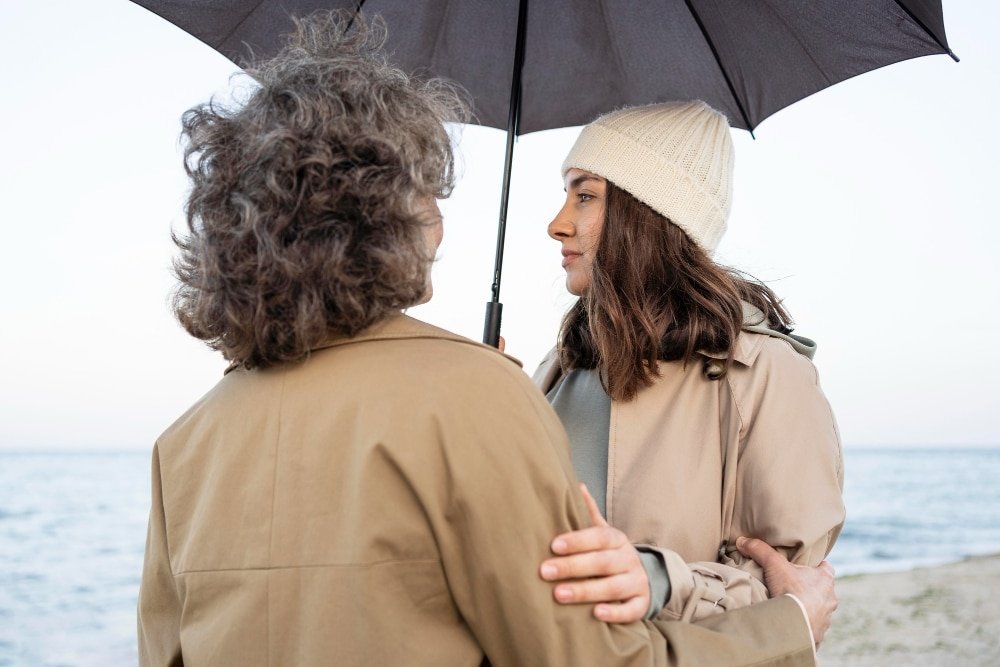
(677, 158)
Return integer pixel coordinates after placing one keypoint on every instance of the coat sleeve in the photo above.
(159, 612)
(700, 590)
(513, 490)
(786, 486)
(789, 473)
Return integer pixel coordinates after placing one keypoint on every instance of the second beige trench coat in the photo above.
(695, 463)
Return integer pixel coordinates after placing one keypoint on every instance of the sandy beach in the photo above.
(947, 615)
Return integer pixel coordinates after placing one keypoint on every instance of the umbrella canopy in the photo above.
(583, 58)
(544, 64)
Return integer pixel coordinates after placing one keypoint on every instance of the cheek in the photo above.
(433, 237)
(594, 226)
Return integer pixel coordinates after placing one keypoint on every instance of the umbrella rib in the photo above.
(616, 82)
(923, 27)
(357, 10)
(802, 45)
(242, 21)
(442, 26)
(718, 61)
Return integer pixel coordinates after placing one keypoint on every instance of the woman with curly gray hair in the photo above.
(312, 207)
(361, 488)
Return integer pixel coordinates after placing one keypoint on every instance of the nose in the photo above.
(562, 226)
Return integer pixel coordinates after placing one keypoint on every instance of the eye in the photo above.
(584, 197)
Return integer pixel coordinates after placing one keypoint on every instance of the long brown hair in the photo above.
(655, 295)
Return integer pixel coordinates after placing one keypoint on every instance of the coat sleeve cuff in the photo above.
(702, 589)
(802, 608)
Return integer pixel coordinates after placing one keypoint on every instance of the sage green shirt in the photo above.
(585, 411)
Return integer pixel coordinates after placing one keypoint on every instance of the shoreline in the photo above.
(937, 615)
(894, 567)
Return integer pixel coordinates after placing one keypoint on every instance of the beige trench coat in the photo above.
(694, 463)
(388, 502)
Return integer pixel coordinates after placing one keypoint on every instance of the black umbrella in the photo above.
(575, 59)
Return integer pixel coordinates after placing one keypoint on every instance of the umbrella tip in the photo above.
(953, 56)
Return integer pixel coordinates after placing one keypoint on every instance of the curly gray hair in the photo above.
(302, 217)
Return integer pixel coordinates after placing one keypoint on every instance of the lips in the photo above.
(569, 256)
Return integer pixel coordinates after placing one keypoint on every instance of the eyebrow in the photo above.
(580, 180)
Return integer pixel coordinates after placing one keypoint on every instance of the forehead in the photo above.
(574, 178)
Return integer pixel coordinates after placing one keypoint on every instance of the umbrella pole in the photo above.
(494, 309)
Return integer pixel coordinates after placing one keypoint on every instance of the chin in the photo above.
(573, 288)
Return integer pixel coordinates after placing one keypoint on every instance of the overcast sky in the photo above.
(869, 205)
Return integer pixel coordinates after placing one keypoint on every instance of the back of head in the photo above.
(303, 215)
(677, 158)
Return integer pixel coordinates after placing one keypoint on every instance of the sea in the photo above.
(73, 527)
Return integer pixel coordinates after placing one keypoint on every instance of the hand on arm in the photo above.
(599, 565)
(812, 586)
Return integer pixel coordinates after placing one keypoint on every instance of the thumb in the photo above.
(502, 344)
(760, 551)
(595, 513)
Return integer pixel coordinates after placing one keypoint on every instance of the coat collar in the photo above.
(748, 346)
(399, 327)
(749, 343)
(744, 352)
